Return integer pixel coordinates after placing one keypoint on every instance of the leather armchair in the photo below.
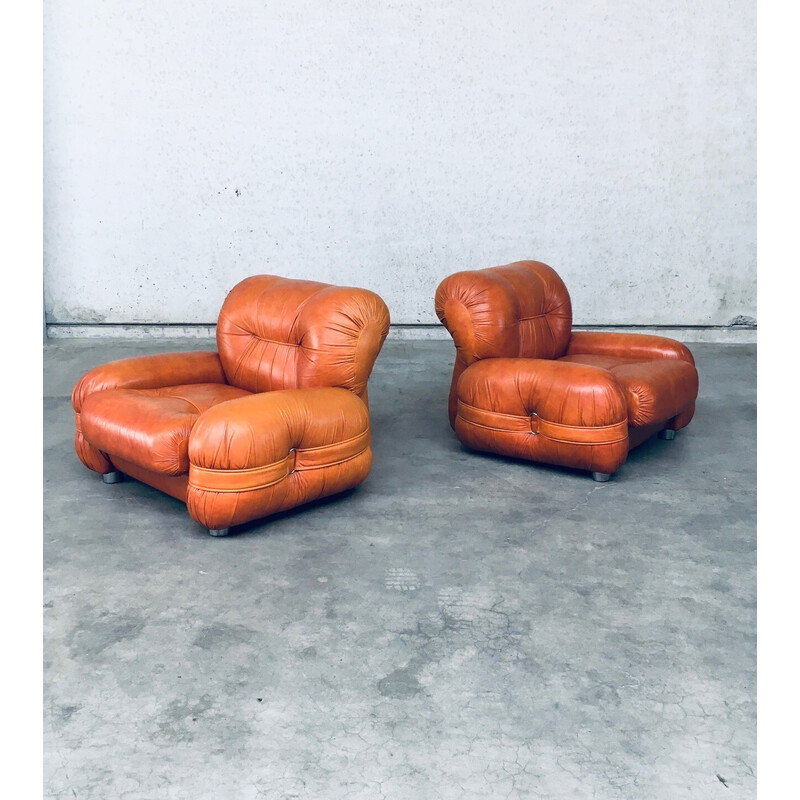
(276, 418)
(526, 385)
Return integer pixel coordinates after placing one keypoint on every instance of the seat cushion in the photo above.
(151, 427)
(656, 390)
(542, 410)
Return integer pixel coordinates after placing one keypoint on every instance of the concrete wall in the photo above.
(387, 144)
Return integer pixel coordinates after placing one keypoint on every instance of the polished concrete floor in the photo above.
(459, 626)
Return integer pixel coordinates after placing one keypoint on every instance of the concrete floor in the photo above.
(459, 626)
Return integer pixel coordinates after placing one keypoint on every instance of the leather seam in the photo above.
(497, 413)
(248, 470)
(583, 444)
(491, 428)
(546, 421)
(585, 427)
(333, 444)
(543, 435)
(265, 485)
(245, 471)
(246, 332)
(269, 341)
(334, 463)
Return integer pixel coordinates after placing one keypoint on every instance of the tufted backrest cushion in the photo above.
(279, 333)
(544, 309)
(518, 310)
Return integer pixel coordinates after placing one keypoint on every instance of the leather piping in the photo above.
(254, 478)
(534, 424)
(358, 436)
(494, 420)
(582, 434)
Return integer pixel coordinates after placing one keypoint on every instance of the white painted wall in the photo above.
(387, 144)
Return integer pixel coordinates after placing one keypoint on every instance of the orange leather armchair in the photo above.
(525, 385)
(276, 418)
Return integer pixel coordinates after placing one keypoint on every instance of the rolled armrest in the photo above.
(268, 452)
(150, 372)
(260, 429)
(627, 345)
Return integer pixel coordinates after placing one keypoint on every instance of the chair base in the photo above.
(219, 531)
(601, 477)
(112, 477)
(667, 434)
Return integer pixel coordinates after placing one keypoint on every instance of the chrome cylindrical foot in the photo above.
(667, 434)
(112, 477)
(219, 531)
(601, 477)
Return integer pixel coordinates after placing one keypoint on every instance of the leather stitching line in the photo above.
(265, 485)
(544, 435)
